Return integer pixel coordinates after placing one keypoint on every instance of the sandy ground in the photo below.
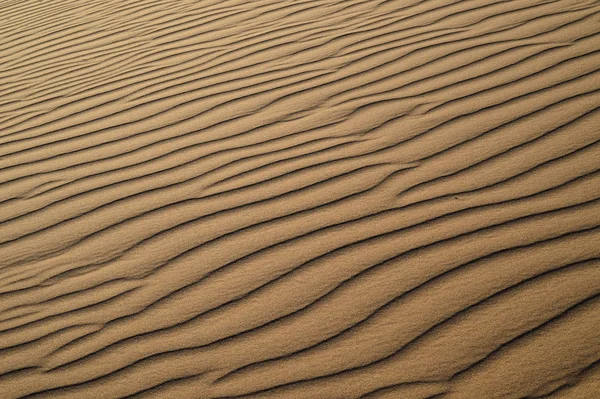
(316, 199)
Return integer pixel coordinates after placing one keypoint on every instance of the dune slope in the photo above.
(300, 199)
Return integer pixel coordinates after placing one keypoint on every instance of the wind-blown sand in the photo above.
(299, 199)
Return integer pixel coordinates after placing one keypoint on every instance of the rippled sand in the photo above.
(316, 199)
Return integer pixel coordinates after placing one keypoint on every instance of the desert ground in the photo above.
(300, 199)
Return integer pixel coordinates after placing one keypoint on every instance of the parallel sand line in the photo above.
(299, 199)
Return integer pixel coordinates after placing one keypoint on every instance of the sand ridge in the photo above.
(300, 199)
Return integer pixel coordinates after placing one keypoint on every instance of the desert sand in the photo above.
(300, 199)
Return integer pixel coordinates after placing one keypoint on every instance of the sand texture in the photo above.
(300, 199)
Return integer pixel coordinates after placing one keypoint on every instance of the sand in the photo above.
(319, 199)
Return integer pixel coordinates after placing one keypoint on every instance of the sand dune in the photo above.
(300, 199)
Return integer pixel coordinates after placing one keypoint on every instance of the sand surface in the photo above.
(300, 199)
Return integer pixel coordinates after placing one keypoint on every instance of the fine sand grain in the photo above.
(300, 199)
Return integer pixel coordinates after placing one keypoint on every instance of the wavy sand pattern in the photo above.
(300, 199)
